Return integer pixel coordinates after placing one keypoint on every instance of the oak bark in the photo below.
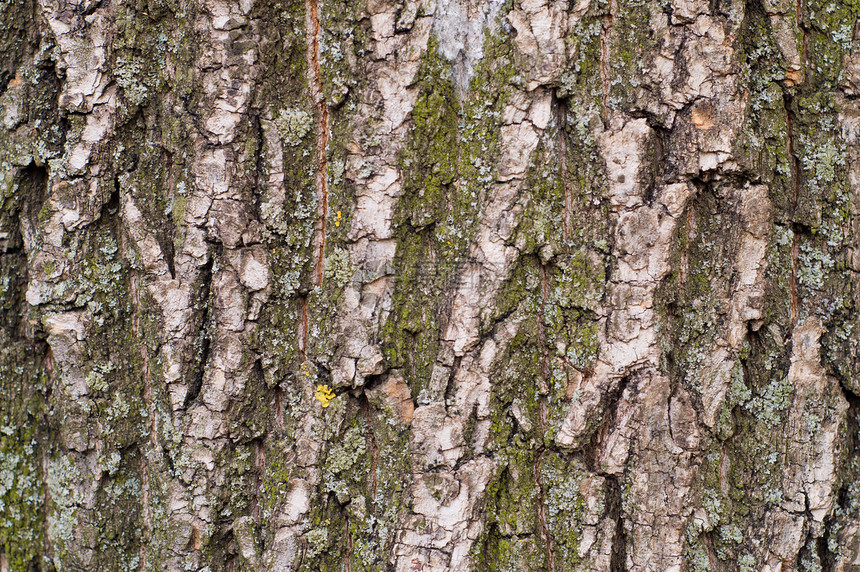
(430, 285)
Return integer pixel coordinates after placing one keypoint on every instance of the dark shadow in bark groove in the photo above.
(825, 557)
(198, 366)
(614, 492)
(32, 185)
(451, 386)
(610, 402)
(713, 562)
(364, 404)
(258, 446)
(842, 497)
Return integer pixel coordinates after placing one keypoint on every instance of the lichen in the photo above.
(813, 266)
(324, 395)
(294, 125)
(338, 267)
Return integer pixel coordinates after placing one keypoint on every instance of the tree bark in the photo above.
(430, 285)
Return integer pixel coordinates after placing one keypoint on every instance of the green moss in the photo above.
(365, 475)
(738, 394)
(690, 299)
(21, 480)
(62, 478)
(631, 36)
(180, 203)
(742, 474)
(582, 81)
(147, 49)
(562, 479)
(431, 158)
(511, 539)
(448, 162)
(763, 144)
(698, 559)
(528, 482)
(831, 30)
(338, 470)
(813, 266)
(338, 267)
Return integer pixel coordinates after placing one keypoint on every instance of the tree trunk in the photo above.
(430, 285)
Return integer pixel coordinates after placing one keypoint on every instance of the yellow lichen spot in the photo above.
(337, 220)
(324, 395)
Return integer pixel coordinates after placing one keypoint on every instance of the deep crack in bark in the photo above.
(795, 181)
(614, 492)
(561, 111)
(372, 446)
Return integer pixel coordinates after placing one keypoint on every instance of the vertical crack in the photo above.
(795, 197)
(544, 291)
(134, 287)
(542, 420)
(195, 384)
(685, 253)
(604, 57)
(451, 386)
(618, 558)
(789, 143)
(795, 251)
(313, 27)
(322, 119)
(371, 446)
(144, 354)
(259, 465)
(605, 30)
(562, 152)
(43, 452)
(147, 398)
(279, 408)
(303, 327)
(46, 506)
(804, 47)
(712, 553)
(544, 527)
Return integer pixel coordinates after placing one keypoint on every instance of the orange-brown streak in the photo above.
(322, 117)
(795, 180)
(303, 327)
(604, 75)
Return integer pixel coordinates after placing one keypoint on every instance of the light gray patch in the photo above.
(459, 28)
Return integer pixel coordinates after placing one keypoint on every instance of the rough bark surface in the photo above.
(430, 285)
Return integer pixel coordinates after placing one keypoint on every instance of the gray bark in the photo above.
(430, 285)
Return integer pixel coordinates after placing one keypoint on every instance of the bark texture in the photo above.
(428, 285)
